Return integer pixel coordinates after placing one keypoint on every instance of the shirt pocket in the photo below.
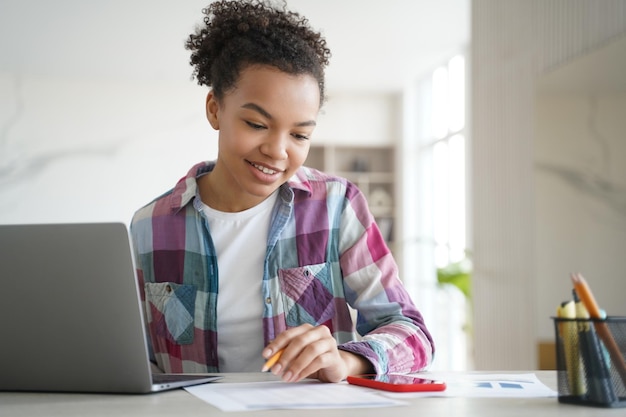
(170, 311)
(307, 294)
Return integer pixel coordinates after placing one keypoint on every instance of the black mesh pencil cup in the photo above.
(591, 361)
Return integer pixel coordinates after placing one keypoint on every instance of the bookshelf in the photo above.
(372, 169)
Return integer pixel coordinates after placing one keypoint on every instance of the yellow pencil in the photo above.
(271, 361)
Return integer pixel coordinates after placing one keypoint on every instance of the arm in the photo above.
(390, 324)
(394, 335)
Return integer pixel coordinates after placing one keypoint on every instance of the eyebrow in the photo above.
(266, 114)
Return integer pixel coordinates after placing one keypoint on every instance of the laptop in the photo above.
(71, 315)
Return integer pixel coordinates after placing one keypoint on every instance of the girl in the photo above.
(253, 253)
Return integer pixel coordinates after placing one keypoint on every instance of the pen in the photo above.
(602, 329)
(600, 389)
(271, 361)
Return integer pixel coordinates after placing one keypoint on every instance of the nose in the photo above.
(275, 146)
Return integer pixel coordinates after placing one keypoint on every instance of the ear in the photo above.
(212, 110)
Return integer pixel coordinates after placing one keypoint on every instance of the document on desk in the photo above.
(249, 396)
(487, 385)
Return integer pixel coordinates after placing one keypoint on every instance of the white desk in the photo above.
(180, 403)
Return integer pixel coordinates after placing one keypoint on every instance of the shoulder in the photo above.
(172, 201)
(311, 184)
(315, 181)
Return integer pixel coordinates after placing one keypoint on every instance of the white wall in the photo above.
(97, 116)
(514, 44)
(580, 200)
(94, 150)
(360, 119)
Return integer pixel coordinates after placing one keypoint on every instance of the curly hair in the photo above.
(240, 33)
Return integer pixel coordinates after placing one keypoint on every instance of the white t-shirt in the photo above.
(240, 241)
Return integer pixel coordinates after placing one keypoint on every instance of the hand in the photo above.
(312, 352)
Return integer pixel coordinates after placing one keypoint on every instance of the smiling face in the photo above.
(265, 124)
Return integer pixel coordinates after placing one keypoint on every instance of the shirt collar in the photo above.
(187, 188)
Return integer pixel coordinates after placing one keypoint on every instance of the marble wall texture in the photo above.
(75, 149)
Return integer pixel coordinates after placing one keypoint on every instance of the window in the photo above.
(438, 146)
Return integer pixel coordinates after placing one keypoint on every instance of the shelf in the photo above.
(371, 168)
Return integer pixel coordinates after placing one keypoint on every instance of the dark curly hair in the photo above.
(240, 33)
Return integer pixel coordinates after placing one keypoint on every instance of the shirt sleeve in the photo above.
(394, 336)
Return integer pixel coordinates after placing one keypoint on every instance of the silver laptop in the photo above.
(70, 313)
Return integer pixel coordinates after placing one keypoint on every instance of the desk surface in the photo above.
(180, 402)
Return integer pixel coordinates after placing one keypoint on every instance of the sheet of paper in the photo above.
(281, 395)
(476, 384)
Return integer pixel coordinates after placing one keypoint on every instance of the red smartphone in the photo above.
(397, 383)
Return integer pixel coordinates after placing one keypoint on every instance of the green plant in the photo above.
(457, 274)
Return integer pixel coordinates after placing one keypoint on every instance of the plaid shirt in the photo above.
(324, 252)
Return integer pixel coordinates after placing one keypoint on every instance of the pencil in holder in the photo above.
(590, 357)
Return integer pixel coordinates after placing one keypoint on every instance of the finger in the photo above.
(271, 361)
(284, 338)
(275, 350)
(307, 355)
(326, 363)
(316, 356)
(303, 338)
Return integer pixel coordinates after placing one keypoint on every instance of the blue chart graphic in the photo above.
(505, 385)
(510, 385)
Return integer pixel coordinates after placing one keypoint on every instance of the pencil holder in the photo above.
(590, 357)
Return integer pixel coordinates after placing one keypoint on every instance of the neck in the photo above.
(215, 194)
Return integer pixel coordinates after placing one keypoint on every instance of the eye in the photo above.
(300, 136)
(255, 126)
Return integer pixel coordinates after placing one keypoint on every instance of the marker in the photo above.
(568, 330)
(271, 361)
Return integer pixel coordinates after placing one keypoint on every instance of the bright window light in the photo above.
(456, 198)
(440, 103)
(456, 83)
(441, 201)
